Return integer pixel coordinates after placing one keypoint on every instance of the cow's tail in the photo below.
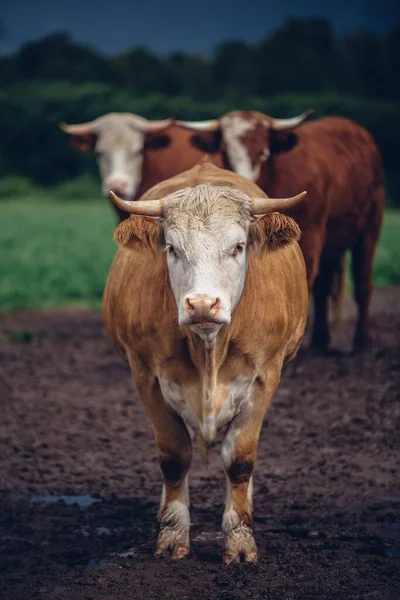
(338, 297)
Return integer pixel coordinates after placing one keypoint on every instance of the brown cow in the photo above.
(339, 165)
(206, 303)
(133, 154)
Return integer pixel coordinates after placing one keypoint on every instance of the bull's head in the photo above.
(206, 232)
(250, 137)
(118, 140)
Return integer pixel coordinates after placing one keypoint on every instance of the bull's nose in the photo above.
(202, 307)
(117, 185)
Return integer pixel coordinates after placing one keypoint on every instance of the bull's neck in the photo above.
(208, 360)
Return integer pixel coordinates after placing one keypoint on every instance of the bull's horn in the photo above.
(154, 126)
(262, 206)
(149, 208)
(212, 125)
(280, 124)
(81, 129)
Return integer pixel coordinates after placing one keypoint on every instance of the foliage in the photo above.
(303, 55)
(58, 254)
(31, 143)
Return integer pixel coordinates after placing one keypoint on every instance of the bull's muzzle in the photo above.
(202, 311)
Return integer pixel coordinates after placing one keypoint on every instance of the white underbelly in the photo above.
(183, 401)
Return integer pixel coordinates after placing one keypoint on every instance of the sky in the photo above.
(165, 26)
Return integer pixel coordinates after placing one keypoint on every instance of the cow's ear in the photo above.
(208, 142)
(273, 231)
(282, 141)
(83, 143)
(137, 231)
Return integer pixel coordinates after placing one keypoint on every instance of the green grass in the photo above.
(56, 254)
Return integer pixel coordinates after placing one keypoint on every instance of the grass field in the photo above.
(57, 254)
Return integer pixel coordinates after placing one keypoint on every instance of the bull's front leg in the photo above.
(175, 457)
(239, 453)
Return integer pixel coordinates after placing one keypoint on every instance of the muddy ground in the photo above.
(327, 486)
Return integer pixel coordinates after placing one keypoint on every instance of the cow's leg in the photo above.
(322, 291)
(239, 453)
(362, 263)
(175, 456)
(311, 244)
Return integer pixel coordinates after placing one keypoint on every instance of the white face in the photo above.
(234, 130)
(207, 264)
(118, 149)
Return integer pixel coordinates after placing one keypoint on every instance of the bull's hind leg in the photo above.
(322, 291)
(175, 457)
(362, 263)
(239, 453)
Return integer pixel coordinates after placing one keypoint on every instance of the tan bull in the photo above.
(206, 301)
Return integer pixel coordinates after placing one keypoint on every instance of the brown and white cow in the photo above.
(339, 165)
(119, 141)
(206, 302)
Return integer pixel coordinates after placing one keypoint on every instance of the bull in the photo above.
(339, 165)
(207, 300)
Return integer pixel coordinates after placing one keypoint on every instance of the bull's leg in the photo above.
(362, 262)
(322, 290)
(175, 456)
(239, 453)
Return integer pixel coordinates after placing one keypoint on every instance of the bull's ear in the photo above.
(83, 143)
(282, 141)
(272, 232)
(139, 231)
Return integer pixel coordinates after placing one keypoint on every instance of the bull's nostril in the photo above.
(188, 305)
(215, 304)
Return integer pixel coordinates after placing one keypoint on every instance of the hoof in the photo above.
(173, 543)
(240, 546)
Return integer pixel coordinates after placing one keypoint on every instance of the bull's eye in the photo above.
(171, 250)
(238, 249)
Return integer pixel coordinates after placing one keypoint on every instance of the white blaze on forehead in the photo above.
(233, 128)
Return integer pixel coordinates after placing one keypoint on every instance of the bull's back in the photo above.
(339, 164)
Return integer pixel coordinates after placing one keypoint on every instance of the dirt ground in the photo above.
(327, 486)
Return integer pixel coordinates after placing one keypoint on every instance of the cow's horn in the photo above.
(146, 208)
(280, 124)
(80, 129)
(154, 126)
(212, 125)
(262, 206)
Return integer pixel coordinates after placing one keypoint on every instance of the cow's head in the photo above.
(250, 137)
(118, 140)
(206, 232)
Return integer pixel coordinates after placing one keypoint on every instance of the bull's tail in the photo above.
(338, 297)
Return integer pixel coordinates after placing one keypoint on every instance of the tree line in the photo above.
(302, 56)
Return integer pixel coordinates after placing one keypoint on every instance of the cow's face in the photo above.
(118, 141)
(250, 137)
(118, 150)
(206, 234)
(246, 141)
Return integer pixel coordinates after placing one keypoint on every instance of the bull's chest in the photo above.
(188, 400)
